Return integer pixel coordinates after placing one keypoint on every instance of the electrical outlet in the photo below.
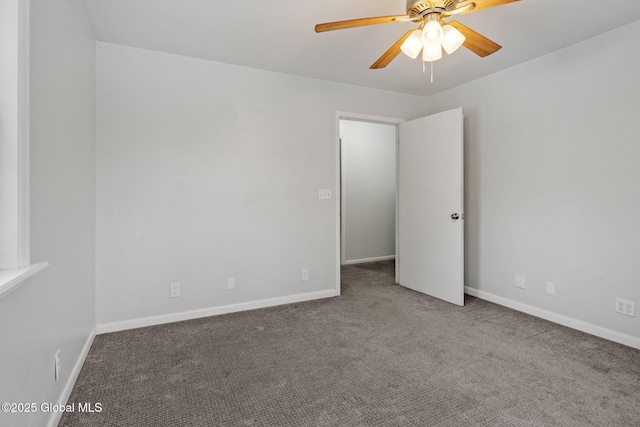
(175, 290)
(231, 283)
(626, 307)
(551, 288)
(519, 282)
(630, 308)
(56, 365)
(305, 275)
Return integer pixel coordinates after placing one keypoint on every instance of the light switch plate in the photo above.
(324, 194)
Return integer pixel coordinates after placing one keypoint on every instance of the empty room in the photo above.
(338, 213)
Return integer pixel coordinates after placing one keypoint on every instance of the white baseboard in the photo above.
(213, 311)
(364, 260)
(55, 416)
(570, 322)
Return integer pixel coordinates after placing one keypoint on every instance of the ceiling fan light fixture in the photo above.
(430, 54)
(413, 44)
(430, 15)
(432, 34)
(452, 39)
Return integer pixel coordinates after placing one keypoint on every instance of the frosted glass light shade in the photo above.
(431, 54)
(452, 39)
(412, 45)
(432, 34)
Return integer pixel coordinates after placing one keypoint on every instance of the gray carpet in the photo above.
(379, 355)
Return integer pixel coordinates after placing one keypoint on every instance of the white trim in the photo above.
(345, 115)
(365, 260)
(338, 187)
(55, 416)
(23, 135)
(343, 207)
(570, 322)
(14, 136)
(12, 278)
(397, 256)
(212, 311)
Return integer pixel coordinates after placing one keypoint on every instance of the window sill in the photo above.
(12, 278)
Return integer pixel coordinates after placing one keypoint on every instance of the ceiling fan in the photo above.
(433, 34)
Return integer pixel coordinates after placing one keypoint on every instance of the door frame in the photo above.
(344, 115)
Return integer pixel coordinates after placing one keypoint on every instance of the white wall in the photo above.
(368, 190)
(552, 179)
(55, 308)
(207, 171)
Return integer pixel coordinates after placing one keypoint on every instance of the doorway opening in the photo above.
(429, 230)
(367, 169)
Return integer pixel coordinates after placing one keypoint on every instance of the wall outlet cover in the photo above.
(56, 365)
(626, 307)
(551, 288)
(175, 290)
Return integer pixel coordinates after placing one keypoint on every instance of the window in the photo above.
(14, 146)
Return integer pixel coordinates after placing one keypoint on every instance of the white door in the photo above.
(430, 206)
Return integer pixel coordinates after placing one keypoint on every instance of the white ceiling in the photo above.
(279, 35)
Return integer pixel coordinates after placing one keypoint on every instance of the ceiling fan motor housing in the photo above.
(415, 7)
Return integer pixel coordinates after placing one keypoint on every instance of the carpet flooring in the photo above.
(379, 355)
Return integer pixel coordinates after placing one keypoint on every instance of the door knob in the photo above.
(455, 216)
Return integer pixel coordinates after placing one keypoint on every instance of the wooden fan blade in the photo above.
(483, 4)
(390, 54)
(476, 42)
(341, 25)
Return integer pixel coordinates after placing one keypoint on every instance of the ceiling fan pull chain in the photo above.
(424, 69)
(431, 72)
